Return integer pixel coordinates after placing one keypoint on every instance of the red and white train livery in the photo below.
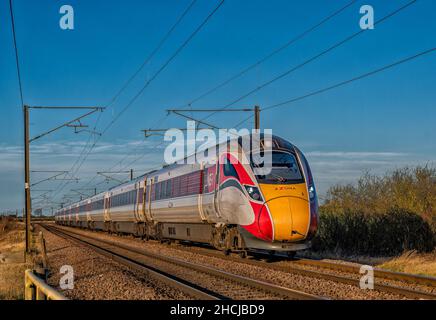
(223, 204)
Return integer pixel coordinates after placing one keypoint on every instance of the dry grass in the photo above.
(338, 257)
(413, 262)
(12, 264)
(11, 281)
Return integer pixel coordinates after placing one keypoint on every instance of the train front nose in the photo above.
(289, 210)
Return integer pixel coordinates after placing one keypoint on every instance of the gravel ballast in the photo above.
(99, 278)
(321, 287)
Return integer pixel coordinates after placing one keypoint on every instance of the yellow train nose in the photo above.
(289, 209)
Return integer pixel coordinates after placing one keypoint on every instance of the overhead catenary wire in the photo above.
(313, 58)
(348, 81)
(165, 65)
(129, 165)
(153, 53)
(356, 78)
(125, 157)
(360, 77)
(144, 155)
(177, 52)
(272, 53)
(127, 83)
(17, 60)
(168, 61)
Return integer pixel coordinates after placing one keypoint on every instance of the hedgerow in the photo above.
(380, 215)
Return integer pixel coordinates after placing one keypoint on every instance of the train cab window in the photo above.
(229, 170)
(284, 169)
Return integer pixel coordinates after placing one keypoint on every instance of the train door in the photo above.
(136, 204)
(107, 204)
(208, 192)
(217, 186)
(148, 202)
(88, 210)
(140, 201)
(229, 195)
(201, 193)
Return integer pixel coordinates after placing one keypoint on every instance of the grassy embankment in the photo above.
(12, 265)
(391, 216)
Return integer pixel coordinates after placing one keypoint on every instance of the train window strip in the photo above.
(180, 186)
(185, 185)
(124, 199)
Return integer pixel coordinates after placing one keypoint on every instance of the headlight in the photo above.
(312, 193)
(254, 193)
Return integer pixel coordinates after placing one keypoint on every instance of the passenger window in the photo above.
(168, 191)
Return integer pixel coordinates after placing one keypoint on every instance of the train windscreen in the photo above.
(284, 169)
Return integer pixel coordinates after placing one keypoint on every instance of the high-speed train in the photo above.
(224, 204)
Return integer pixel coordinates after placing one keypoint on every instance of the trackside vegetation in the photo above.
(380, 215)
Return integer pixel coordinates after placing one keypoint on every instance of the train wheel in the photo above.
(291, 254)
(226, 252)
(243, 254)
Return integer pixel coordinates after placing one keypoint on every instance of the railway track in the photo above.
(340, 273)
(195, 280)
(297, 266)
(378, 273)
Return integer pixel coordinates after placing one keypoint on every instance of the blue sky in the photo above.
(378, 124)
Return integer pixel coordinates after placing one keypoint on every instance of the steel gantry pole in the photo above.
(28, 209)
(256, 110)
(27, 141)
(257, 117)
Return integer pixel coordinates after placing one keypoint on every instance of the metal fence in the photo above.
(37, 289)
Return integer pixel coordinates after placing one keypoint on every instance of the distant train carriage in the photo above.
(223, 204)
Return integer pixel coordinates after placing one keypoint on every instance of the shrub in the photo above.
(358, 233)
(380, 215)
(411, 189)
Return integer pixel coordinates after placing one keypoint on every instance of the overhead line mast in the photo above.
(27, 141)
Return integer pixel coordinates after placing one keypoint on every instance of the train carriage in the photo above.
(223, 203)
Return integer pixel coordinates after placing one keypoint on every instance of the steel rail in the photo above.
(378, 273)
(413, 294)
(290, 268)
(264, 286)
